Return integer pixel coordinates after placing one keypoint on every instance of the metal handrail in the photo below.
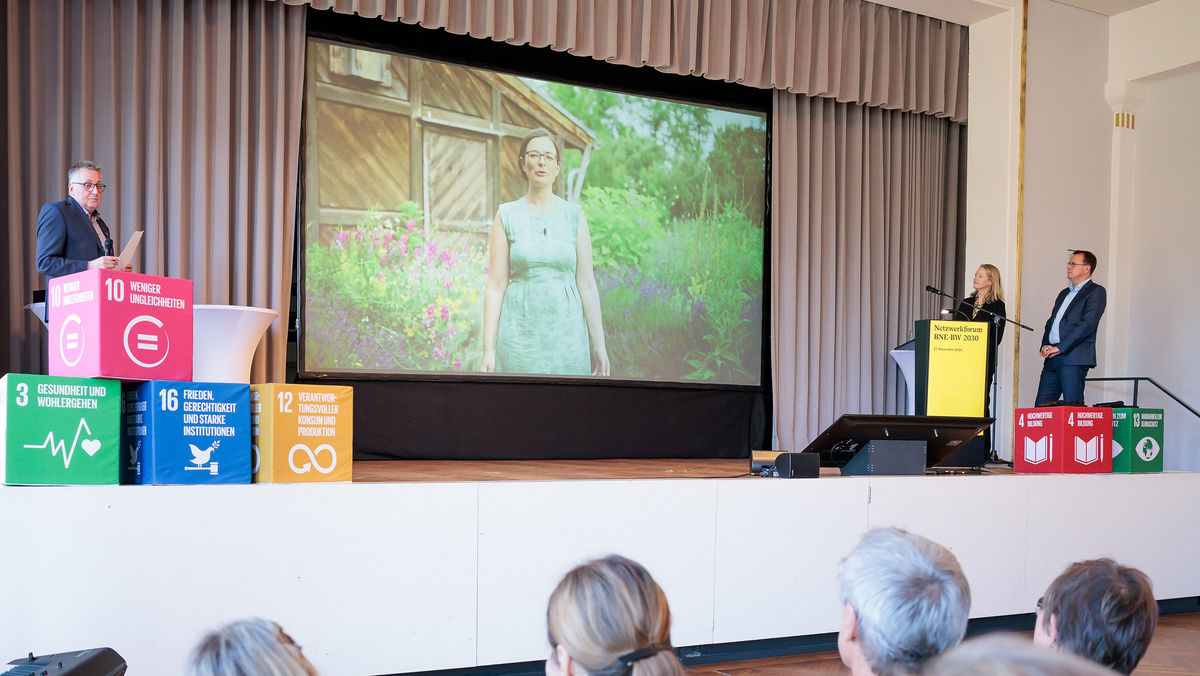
(1153, 382)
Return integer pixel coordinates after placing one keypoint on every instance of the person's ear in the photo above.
(849, 622)
(1051, 627)
(565, 663)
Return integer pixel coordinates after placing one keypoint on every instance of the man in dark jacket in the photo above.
(1069, 342)
(70, 234)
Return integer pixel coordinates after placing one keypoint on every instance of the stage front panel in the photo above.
(399, 577)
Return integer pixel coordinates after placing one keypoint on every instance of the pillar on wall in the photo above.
(1125, 98)
(993, 157)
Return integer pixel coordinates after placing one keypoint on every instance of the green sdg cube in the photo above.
(56, 430)
(1137, 440)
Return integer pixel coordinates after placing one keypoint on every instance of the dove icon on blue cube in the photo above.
(199, 457)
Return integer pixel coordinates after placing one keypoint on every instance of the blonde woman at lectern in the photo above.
(984, 304)
(986, 300)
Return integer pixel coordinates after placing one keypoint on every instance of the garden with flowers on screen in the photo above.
(674, 198)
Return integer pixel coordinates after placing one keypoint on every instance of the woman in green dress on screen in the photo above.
(541, 310)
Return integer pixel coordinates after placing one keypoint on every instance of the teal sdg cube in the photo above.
(57, 430)
(1138, 440)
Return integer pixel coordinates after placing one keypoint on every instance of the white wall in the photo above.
(1068, 145)
(1164, 317)
(1153, 39)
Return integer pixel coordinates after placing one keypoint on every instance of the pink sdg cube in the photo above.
(1063, 440)
(108, 324)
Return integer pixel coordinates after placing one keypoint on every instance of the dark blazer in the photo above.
(1077, 332)
(997, 332)
(66, 240)
(997, 306)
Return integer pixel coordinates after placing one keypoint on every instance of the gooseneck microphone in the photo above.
(108, 243)
(956, 312)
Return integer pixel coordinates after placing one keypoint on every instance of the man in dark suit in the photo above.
(1069, 342)
(70, 235)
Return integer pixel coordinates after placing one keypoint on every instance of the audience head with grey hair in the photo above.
(904, 601)
(1010, 655)
(250, 647)
(610, 618)
(1101, 611)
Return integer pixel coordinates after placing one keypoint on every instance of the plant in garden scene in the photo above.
(402, 301)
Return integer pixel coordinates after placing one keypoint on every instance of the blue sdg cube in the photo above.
(185, 433)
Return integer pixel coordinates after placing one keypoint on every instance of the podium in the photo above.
(905, 356)
(225, 339)
(950, 376)
(951, 367)
(120, 325)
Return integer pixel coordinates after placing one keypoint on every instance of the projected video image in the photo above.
(462, 220)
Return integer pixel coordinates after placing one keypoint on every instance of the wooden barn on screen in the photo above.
(385, 129)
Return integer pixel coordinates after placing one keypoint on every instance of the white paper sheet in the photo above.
(129, 249)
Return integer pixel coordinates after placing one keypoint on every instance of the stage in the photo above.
(549, 470)
(436, 565)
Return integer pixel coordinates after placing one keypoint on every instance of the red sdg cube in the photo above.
(108, 324)
(1063, 440)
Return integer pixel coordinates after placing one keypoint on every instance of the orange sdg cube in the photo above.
(302, 432)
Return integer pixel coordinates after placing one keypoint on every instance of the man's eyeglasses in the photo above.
(536, 156)
(1041, 604)
(89, 186)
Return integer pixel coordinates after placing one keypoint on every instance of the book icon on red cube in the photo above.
(1037, 451)
(1063, 440)
(1087, 452)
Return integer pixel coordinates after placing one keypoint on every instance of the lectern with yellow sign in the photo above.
(951, 367)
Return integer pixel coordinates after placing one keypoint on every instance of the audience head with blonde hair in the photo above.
(250, 647)
(1009, 655)
(904, 601)
(610, 618)
(1101, 611)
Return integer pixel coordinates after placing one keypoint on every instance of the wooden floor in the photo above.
(547, 470)
(563, 470)
(1174, 650)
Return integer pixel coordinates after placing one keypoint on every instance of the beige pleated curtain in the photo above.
(194, 106)
(848, 50)
(864, 216)
(193, 111)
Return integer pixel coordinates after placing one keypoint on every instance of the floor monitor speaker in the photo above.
(798, 465)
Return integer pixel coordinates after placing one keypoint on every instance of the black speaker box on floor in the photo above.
(798, 465)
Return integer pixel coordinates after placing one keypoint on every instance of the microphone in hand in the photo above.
(108, 246)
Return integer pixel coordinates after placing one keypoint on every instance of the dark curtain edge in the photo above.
(8, 342)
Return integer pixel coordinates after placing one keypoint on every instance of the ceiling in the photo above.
(967, 12)
(961, 12)
(1106, 7)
